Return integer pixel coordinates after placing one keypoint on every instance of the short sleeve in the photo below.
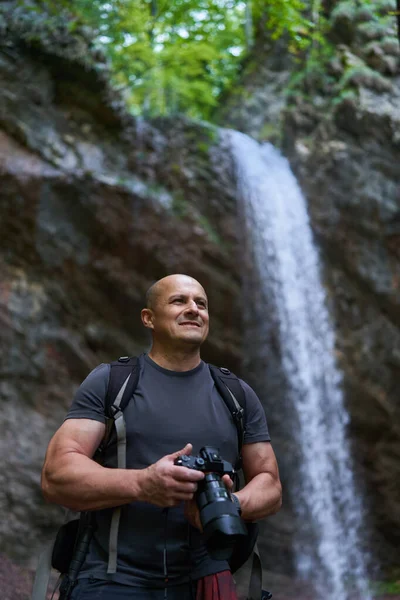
(89, 400)
(256, 427)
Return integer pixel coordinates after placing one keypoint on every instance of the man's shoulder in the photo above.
(100, 373)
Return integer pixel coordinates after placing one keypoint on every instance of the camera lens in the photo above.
(219, 517)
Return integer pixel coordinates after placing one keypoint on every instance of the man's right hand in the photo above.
(165, 484)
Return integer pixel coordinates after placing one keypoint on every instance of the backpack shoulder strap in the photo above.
(124, 377)
(229, 387)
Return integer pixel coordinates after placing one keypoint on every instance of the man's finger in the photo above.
(185, 450)
(228, 482)
(184, 487)
(184, 474)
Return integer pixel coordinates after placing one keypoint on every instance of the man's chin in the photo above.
(192, 337)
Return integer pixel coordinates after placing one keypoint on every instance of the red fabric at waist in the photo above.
(219, 586)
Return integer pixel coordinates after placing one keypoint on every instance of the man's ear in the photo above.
(147, 318)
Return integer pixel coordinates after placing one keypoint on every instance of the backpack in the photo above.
(72, 541)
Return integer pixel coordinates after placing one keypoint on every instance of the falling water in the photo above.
(287, 265)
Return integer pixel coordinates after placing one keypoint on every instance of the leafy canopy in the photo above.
(178, 56)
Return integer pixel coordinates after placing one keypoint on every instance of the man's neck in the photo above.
(178, 360)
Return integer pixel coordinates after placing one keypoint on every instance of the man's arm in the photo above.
(262, 494)
(71, 478)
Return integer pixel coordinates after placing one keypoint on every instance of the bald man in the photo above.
(175, 409)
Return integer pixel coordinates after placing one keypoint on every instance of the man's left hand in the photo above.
(192, 512)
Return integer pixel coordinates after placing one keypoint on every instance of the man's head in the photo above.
(177, 311)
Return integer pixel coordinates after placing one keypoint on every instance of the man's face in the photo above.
(180, 312)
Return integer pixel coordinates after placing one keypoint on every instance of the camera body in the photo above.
(219, 516)
(208, 461)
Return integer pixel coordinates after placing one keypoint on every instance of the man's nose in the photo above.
(192, 307)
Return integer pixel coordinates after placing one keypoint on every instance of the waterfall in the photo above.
(329, 510)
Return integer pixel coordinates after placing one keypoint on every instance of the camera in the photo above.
(219, 516)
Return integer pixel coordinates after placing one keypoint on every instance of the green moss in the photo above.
(271, 132)
(362, 75)
(203, 147)
(345, 96)
(179, 205)
(387, 588)
(210, 231)
(175, 168)
(51, 29)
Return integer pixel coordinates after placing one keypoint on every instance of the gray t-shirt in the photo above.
(168, 409)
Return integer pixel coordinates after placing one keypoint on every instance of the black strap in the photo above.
(227, 385)
(120, 369)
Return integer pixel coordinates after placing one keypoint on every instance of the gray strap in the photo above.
(118, 399)
(42, 576)
(236, 403)
(121, 464)
(121, 437)
(256, 583)
(113, 541)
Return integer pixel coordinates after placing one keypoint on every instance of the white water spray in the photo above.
(287, 266)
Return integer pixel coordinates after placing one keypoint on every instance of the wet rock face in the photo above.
(95, 206)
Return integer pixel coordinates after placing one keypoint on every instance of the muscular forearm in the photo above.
(79, 483)
(261, 497)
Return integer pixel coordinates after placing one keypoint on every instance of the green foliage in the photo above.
(169, 57)
(387, 587)
(179, 56)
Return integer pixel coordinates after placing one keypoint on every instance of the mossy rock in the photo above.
(364, 14)
(378, 60)
(345, 9)
(52, 31)
(343, 25)
(385, 6)
(390, 45)
(363, 76)
(376, 30)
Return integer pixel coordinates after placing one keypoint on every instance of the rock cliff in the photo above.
(95, 206)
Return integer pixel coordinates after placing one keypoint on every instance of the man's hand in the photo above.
(165, 484)
(192, 512)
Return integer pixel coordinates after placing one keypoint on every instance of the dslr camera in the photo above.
(219, 516)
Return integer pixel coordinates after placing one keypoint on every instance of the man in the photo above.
(175, 410)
